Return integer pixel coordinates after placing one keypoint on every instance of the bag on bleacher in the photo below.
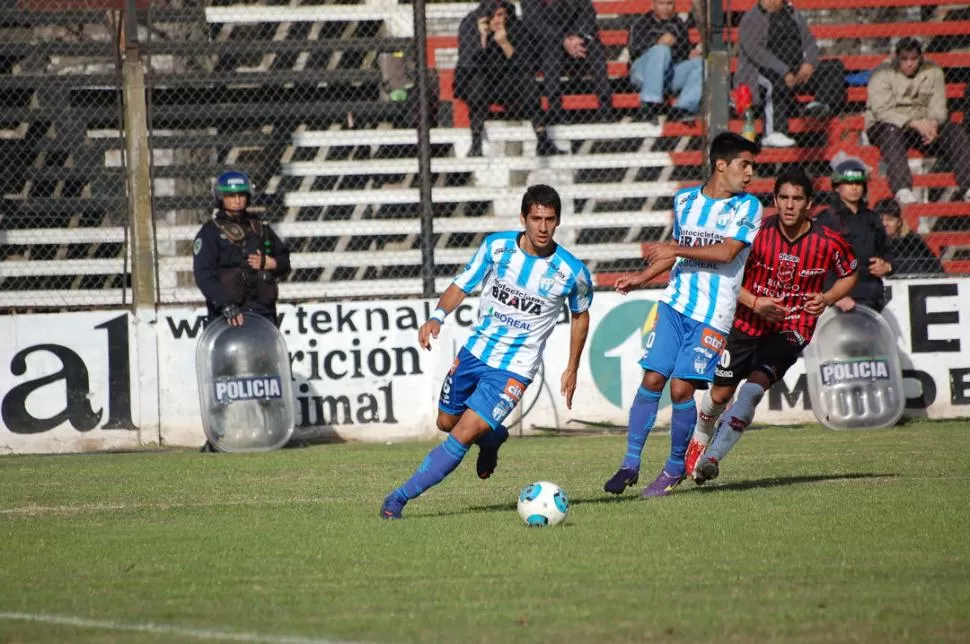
(396, 81)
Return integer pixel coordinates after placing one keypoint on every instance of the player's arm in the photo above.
(769, 308)
(722, 252)
(450, 300)
(578, 330)
(629, 283)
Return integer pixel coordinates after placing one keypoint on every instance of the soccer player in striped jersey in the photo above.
(781, 299)
(526, 277)
(714, 226)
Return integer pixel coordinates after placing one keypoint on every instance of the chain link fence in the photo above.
(63, 210)
(318, 103)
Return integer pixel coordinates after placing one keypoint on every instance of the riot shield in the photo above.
(245, 389)
(855, 379)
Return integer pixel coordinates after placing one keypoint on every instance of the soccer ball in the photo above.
(543, 503)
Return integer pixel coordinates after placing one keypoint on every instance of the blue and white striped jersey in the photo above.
(707, 291)
(521, 299)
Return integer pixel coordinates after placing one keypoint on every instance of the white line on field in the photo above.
(160, 629)
(103, 507)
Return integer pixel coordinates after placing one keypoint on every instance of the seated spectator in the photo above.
(911, 253)
(779, 54)
(664, 61)
(567, 37)
(907, 109)
(850, 216)
(494, 66)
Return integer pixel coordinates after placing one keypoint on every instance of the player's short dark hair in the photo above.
(795, 177)
(541, 195)
(909, 44)
(729, 146)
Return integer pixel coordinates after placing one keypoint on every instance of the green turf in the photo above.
(808, 535)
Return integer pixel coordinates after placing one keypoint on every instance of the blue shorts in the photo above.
(489, 392)
(683, 348)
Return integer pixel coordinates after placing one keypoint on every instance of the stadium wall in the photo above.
(108, 380)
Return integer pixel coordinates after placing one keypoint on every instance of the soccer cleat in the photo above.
(778, 140)
(392, 507)
(662, 485)
(623, 479)
(694, 451)
(706, 470)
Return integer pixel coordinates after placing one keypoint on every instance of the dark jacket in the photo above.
(221, 269)
(865, 233)
(647, 30)
(755, 55)
(491, 60)
(560, 18)
(913, 256)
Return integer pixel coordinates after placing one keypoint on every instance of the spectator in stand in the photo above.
(495, 66)
(779, 54)
(850, 216)
(567, 37)
(907, 109)
(665, 61)
(912, 254)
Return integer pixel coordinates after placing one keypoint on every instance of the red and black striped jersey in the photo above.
(791, 270)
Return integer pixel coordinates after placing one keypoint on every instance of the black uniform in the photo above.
(222, 272)
(867, 236)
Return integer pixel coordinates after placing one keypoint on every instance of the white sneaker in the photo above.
(966, 195)
(905, 196)
(778, 140)
(707, 469)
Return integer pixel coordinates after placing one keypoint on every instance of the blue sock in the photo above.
(643, 414)
(439, 463)
(493, 438)
(682, 422)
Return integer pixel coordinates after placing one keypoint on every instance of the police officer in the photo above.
(850, 215)
(238, 258)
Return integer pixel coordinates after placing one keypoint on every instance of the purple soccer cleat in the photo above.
(623, 479)
(662, 485)
(392, 507)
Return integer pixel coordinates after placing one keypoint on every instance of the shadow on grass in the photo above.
(780, 481)
(740, 486)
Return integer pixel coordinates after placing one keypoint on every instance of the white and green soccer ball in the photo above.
(543, 503)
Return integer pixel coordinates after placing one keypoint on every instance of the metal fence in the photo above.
(610, 102)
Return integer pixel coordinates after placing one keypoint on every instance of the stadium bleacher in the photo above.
(292, 94)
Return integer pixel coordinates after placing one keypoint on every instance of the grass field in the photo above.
(808, 535)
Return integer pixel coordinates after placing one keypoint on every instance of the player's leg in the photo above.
(733, 366)
(458, 386)
(494, 399)
(658, 359)
(694, 368)
(773, 357)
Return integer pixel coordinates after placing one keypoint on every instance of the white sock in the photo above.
(736, 420)
(707, 415)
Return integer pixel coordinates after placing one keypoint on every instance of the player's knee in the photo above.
(445, 422)
(681, 391)
(721, 395)
(654, 381)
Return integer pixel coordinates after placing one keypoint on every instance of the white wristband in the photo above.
(439, 315)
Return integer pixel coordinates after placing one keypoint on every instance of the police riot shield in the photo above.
(855, 379)
(245, 389)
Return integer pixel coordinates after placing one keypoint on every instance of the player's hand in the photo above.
(428, 330)
(628, 283)
(815, 303)
(927, 128)
(804, 73)
(770, 308)
(261, 262)
(846, 304)
(568, 386)
(661, 252)
(233, 315)
(574, 46)
(667, 39)
(879, 267)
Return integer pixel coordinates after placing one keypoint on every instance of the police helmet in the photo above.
(232, 182)
(850, 171)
